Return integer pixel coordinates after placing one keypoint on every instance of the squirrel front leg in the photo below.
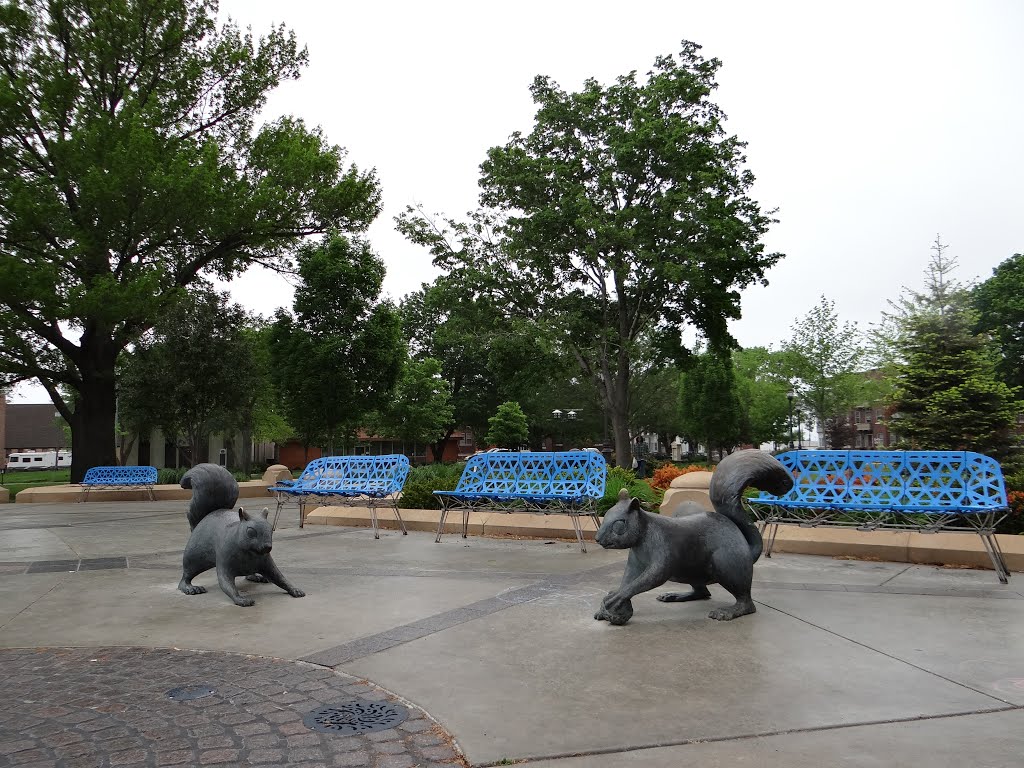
(617, 608)
(227, 584)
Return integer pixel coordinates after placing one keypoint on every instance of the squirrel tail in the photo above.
(213, 488)
(733, 474)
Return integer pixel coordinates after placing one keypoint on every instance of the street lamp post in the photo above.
(799, 430)
(569, 414)
(789, 396)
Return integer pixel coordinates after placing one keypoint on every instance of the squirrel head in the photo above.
(254, 532)
(623, 525)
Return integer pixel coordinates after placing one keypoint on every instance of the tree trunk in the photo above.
(92, 423)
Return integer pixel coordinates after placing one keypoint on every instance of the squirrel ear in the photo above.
(265, 513)
(634, 505)
(623, 494)
(243, 515)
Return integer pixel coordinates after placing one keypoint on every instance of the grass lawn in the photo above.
(18, 480)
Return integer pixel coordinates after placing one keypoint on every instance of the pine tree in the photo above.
(947, 393)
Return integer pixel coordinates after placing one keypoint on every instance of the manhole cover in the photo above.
(352, 717)
(189, 692)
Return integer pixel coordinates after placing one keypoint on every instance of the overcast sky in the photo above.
(871, 126)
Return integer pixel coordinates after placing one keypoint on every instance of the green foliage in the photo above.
(170, 475)
(619, 478)
(947, 394)
(709, 405)
(338, 357)
(17, 481)
(508, 427)
(424, 480)
(822, 361)
(622, 217)
(999, 302)
(132, 165)
(194, 373)
(420, 409)
(761, 389)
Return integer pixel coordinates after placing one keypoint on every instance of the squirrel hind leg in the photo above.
(699, 592)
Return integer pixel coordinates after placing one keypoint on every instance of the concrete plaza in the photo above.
(492, 645)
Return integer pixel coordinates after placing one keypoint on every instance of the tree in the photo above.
(508, 427)
(999, 302)
(131, 165)
(655, 405)
(708, 403)
(761, 388)
(338, 357)
(194, 372)
(420, 409)
(822, 362)
(622, 217)
(947, 393)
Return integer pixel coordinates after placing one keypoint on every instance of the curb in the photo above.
(250, 489)
(957, 549)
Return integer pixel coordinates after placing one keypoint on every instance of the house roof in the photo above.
(32, 426)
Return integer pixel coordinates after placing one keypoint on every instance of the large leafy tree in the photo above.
(823, 360)
(131, 164)
(999, 302)
(420, 409)
(194, 374)
(336, 359)
(508, 426)
(623, 216)
(761, 389)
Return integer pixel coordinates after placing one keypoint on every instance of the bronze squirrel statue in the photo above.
(694, 546)
(234, 542)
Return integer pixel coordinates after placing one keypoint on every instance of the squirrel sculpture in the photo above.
(694, 546)
(234, 542)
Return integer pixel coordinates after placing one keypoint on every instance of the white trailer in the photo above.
(39, 460)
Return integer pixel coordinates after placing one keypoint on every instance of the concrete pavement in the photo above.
(846, 663)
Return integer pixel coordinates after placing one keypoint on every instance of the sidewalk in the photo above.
(491, 643)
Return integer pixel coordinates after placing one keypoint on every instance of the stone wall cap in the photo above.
(700, 479)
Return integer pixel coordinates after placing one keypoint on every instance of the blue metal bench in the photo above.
(568, 482)
(118, 478)
(924, 491)
(347, 481)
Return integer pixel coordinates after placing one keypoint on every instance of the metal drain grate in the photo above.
(348, 718)
(190, 692)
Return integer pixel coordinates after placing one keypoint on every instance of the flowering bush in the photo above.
(1014, 522)
(663, 476)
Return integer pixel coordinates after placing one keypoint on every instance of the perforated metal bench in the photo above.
(923, 491)
(117, 478)
(347, 481)
(566, 482)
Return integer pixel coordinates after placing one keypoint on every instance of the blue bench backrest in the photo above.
(898, 480)
(572, 474)
(373, 474)
(120, 476)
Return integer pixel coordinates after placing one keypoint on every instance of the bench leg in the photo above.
(373, 520)
(277, 512)
(465, 523)
(440, 525)
(579, 531)
(302, 511)
(996, 555)
(401, 522)
(768, 533)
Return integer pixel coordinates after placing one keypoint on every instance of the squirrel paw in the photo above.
(258, 578)
(296, 592)
(243, 601)
(191, 589)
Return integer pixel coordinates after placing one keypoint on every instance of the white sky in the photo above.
(871, 126)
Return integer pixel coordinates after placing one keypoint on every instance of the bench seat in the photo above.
(117, 478)
(346, 480)
(540, 482)
(924, 491)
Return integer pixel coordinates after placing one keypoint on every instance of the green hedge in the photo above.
(424, 480)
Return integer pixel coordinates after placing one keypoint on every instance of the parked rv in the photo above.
(39, 460)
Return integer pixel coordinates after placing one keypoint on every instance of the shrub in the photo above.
(619, 478)
(664, 476)
(424, 480)
(171, 475)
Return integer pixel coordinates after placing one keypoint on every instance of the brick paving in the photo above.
(106, 707)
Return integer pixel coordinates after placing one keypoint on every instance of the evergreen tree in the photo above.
(709, 404)
(947, 393)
